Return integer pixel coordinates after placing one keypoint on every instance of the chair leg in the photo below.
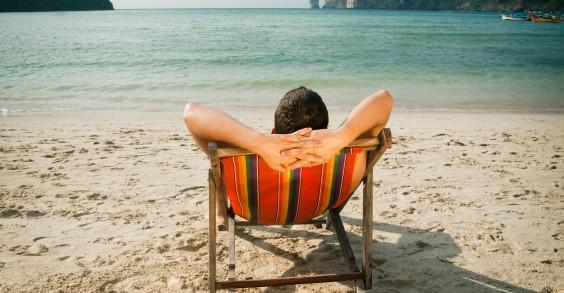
(212, 233)
(328, 221)
(367, 211)
(343, 240)
(231, 229)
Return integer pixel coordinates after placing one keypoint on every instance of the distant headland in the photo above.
(54, 5)
(476, 5)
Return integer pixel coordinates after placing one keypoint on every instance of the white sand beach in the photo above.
(112, 201)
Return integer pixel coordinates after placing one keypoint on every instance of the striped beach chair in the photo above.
(313, 195)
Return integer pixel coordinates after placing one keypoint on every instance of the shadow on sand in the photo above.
(419, 261)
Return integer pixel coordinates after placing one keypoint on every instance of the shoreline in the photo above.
(5, 113)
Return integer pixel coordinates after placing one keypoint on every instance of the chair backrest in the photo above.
(265, 196)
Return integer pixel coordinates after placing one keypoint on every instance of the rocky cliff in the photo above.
(480, 5)
(54, 5)
(314, 3)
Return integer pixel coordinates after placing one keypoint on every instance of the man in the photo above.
(300, 137)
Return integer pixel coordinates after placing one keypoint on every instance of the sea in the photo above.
(157, 60)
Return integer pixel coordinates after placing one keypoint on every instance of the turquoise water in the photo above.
(159, 59)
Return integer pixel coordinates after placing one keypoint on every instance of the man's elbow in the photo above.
(190, 112)
(387, 98)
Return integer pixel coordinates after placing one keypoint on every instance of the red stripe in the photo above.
(309, 193)
(278, 203)
(267, 189)
(228, 173)
(257, 186)
(347, 179)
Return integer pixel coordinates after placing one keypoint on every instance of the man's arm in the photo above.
(207, 124)
(367, 119)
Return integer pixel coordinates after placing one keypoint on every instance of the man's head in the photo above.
(300, 108)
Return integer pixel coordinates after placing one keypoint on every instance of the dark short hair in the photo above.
(300, 108)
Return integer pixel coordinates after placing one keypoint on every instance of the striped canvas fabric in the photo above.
(265, 196)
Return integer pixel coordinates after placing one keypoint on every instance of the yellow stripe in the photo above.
(319, 192)
(237, 195)
(284, 198)
(243, 190)
(328, 180)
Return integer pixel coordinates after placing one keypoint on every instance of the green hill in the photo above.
(479, 5)
(54, 5)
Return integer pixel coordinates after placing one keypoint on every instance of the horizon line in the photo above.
(216, 8)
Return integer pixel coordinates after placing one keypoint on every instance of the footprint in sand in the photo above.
(321, 252)
(455, 143)
(191, 245)
(14, 213)
(132, 181)
(62, 258)
(130, 131)
(29, 250)
(378, 261)
(409, 210)
(9, 213)
(388, 214)
(417, 247)
(33, 214)
(96, 196)
(187, 189)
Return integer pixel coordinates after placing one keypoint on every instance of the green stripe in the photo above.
(293, 196)
(251, 192)
(334, 192)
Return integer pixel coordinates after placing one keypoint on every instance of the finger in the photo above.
(292, 153)
(306, 164)
(299, 151)
(304, 132)
(305, 144)
(287, 160)
(280, 168)
(297, 164)
(290, 138)
(297, 135)
(312, 159)
(310, 143)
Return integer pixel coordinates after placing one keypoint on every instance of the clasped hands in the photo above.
(303, 148)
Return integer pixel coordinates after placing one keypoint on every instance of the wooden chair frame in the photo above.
(375, 147)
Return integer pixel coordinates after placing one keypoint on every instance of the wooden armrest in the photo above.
(367, 144)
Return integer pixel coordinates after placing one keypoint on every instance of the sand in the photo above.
(113, 201)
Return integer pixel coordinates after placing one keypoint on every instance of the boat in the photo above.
(545, 19)
(507, 17)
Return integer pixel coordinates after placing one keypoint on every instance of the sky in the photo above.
(132, 4)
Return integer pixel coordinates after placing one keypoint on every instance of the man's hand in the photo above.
(330, 142)
(271, 147)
